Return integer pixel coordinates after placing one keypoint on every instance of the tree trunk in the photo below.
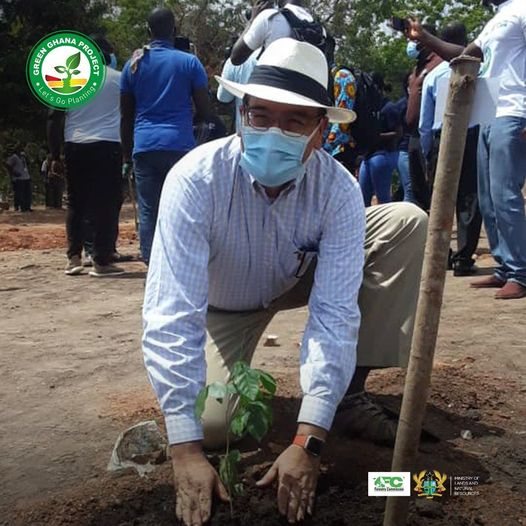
(453, 140)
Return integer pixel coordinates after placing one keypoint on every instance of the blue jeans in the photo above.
(150, 169)
(501, 176)
(405, 178)
(376, 174)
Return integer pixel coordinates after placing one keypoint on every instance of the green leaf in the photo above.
(239, 489)
(257, 427)
(268, 382)
(247, 384)
(217, 390)
(73, 61)
(228, 470)
(75, 72)
(200, 402)
(259, 420)
(239, 368)
(231, 389)
(261, 408)
(238, 424)
(235, 456)
(60, 69)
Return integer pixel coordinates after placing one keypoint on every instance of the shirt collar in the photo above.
(162, 43)
(508, 2)
(258, 187)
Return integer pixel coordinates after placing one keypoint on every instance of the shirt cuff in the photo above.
(181, 428)
(316, 411)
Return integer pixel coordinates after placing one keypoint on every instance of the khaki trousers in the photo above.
(394, 248)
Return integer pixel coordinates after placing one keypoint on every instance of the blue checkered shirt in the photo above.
(220, 241)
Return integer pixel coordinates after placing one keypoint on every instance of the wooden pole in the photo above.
(452, 143)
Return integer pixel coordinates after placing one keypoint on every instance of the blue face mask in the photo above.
(272, 157)
(113, 61)
(412, 50)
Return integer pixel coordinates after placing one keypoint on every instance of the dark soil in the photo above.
(480, 406)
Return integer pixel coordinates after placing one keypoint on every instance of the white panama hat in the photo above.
(291, 72)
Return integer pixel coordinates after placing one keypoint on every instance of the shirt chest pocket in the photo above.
(295, 259)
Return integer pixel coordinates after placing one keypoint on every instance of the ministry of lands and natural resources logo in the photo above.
(65, 70)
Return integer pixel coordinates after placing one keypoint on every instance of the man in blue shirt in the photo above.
(239, 74)
(158, 85)
(469, 219)
(501, 151)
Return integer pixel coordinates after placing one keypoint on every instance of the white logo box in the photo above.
(389, 484)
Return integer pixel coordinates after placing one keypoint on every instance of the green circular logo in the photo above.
(65, 70)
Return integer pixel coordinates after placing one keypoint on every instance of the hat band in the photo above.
(290, 80)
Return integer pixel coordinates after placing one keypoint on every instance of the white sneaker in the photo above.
(74, 266)
(105, 271)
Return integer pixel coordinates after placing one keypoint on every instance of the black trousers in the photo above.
(93, 177)
(348, 158)
(54, 191)
(22, 194)
(469, 219)
(418, 174)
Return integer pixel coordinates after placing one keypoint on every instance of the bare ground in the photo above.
(73, 378)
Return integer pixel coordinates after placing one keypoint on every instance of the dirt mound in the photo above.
(342, 490)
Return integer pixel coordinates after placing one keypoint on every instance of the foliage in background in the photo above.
(365, 40)
(359, 26)
(22, 119)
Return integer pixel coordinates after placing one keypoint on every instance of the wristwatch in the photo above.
(310, 443)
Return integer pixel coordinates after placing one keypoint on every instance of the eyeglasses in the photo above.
(292, 126)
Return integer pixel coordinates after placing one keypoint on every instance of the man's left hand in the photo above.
(297, 473)
(523, 133)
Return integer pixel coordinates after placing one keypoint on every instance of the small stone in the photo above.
(466, 434)
(474, 414)
(140, 447)
(271, 340)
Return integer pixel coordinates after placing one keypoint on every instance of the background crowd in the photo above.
(163, 104)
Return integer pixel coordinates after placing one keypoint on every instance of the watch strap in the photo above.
(300, 440)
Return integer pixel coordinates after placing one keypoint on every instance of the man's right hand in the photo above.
(259, 6)
(195, 482)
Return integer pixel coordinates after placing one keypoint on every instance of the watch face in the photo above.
(314, 445)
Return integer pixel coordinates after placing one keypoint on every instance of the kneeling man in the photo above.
(261, 222)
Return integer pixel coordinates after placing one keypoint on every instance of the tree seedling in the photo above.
(247, 394)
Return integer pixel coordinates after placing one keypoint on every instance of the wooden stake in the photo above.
(416, 391)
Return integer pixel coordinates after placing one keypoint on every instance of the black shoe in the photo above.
(358, 416)
(121, 258)
(463, 268)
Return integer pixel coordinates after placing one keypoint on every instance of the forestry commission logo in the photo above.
(65, 70)
(389, 483)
